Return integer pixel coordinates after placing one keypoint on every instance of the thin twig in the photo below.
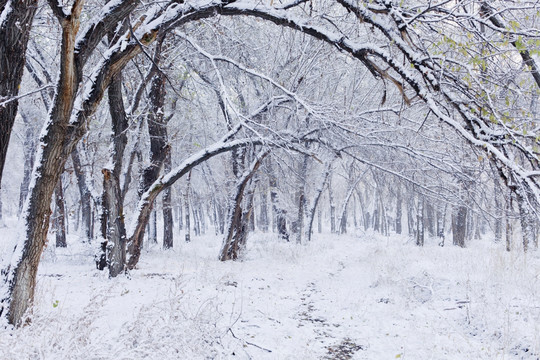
(247, 342)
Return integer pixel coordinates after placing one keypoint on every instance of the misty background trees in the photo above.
(293, 118)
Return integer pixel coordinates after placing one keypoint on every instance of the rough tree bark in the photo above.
(60, 215)
(238, 222)
(17, 16)
(168, 222)
(459, 226)
(116, 232)
(58, 141)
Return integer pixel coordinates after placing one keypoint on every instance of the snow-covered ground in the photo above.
(357, 296)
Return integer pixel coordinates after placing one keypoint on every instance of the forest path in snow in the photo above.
(338, 297)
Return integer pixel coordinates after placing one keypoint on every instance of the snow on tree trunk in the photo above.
(187, 209)
(29, 149)
(116, 232)
(237, 227)
(301, 198)
(263, 217)
(16, 18)
(399, 210)
(459, 225)
(441, 219)
(332, 206)
(60, 215)
(85, 194)
(319, 191)
(526, 221)
(420, 221)
(279, 214)
(168, 222)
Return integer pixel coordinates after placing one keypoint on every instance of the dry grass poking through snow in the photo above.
(354, 297)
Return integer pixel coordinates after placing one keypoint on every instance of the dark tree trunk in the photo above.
(238, 218)
(60, 215)
(430, 218)
(157, 131)
(365, 215)
(526, 221)
(116, 232)
(301, 199)
(459, 226)
(508, 214)
(186, 208)
(196, 219)
(441, 217)
(279, 214)
(86, 196)
(112, 214)
(376, 219)
(168, 222)
(320, 189)
(14, 35)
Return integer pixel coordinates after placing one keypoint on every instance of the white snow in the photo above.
(7, 9)
(380, 298)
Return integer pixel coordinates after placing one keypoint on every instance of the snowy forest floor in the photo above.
(360, 296)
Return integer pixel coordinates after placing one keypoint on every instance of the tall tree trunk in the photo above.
(168, 222)
(430, 218)
(508, 215)
(441, 217)
(332, 206)
(29, 155)
(526, 221)
(319, 221)
(116, 232)
(21, 279)
(238, 218)
(112, 221)
(152, 228)
(179, 214)
(320, 189)
(186, 208)
(301, 199)
(263, 218)
(279, 214)
(16, 18)
(86, 196)
(60, 215)
(459, 226)
(420, 221)
(399, 210)
(410, 214)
